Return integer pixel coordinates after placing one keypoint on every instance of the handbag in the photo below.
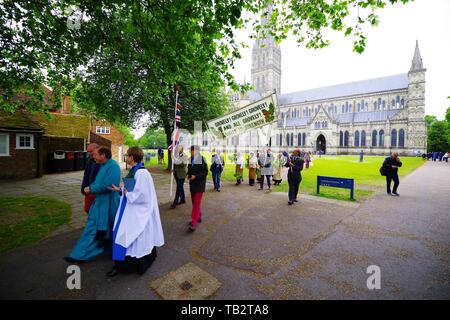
(383, 171)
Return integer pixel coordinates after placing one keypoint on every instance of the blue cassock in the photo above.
(101, 214)
(119, 252)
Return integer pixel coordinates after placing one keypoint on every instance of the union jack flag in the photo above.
(178, 116)
(176, 134)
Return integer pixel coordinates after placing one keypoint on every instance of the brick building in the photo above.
(107, 131)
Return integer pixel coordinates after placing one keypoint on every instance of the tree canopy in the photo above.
(119, 59)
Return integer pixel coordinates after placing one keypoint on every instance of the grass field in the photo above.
(25, 220)
(366, 174)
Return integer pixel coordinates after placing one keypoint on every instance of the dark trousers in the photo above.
(293, 189)
(262, 181)
(389, 178)
(179, 195)
(216, 178)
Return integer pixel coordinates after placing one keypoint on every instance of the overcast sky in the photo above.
(389, 50)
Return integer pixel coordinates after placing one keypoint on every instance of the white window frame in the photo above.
(102, 130)
(7, 145)
(18, 147)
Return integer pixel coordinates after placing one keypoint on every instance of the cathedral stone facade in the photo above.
(376, 115)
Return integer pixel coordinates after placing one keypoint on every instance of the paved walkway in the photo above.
(67, 187)
(253, 246)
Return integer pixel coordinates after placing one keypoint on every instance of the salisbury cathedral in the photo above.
(375, 115)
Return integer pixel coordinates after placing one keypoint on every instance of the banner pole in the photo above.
(173, 140)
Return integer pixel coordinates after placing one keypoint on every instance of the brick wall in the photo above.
(115, 136)
(21, 163)
(94, 138)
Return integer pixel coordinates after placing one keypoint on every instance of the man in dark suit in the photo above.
(391, 164)
(197, 172)
(295, 165)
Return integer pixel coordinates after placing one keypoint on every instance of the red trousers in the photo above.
(196, 207)
(88, 200)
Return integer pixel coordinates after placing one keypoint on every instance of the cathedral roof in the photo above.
(394, 82)
(356, 117)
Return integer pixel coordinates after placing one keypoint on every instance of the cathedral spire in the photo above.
(417, 60)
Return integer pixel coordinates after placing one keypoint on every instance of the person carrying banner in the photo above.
(265, 163)
(180, 162)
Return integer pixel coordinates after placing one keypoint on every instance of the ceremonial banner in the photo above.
(252, 116)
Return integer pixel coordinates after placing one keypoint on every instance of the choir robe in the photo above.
(101, 214)
(138, 229)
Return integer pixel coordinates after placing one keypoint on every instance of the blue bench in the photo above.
(337, 183)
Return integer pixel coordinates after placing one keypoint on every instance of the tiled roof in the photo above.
(399, 81)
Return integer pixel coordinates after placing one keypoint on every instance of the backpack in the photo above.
(383, 171)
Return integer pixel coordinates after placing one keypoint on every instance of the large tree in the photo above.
(120, 59)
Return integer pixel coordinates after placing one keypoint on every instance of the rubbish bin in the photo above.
(68, 164)
(55, 161)
(79, 160)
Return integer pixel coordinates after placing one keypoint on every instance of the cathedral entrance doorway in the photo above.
(321, 144)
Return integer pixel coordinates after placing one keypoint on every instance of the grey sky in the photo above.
(389, 50)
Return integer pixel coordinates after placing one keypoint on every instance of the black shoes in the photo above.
(72, 260)
(295, 200)
(190, 222)
(173, 206)
(113, 272)
(290, 202)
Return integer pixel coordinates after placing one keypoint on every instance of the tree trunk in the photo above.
(168, 131)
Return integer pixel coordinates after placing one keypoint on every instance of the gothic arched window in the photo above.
(292, 139)
(356, 138)
(346, 139)
(299, 139)
(401, 138)
(287, 139)
(363, 138)
(402, 103)
(304, 138)
(341, 139)
(381, 135)
(394, 138)
(375, 106)
(374, 138)
(393, 104)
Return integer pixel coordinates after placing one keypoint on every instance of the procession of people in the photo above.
(123, 214)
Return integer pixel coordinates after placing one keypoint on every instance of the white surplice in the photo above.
(140, 228)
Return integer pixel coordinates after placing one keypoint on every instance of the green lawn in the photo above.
(366, 174)
(25, 220)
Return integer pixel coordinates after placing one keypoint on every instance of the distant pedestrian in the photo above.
(265, 163)
(239, 171)
(295, 165)
(445, 157)
(361, 156)
(252, 166)
(307, 159)
(391, 165)
(278, 165)
(197, 173)
(217, 167)
(160, 155)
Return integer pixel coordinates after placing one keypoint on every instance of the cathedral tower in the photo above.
(416, 102)
(266, 64)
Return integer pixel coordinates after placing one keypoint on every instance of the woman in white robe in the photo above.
(137, 227)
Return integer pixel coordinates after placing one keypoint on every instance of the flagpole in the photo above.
(173, 139)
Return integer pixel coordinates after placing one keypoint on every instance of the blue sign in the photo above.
(337, 183)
